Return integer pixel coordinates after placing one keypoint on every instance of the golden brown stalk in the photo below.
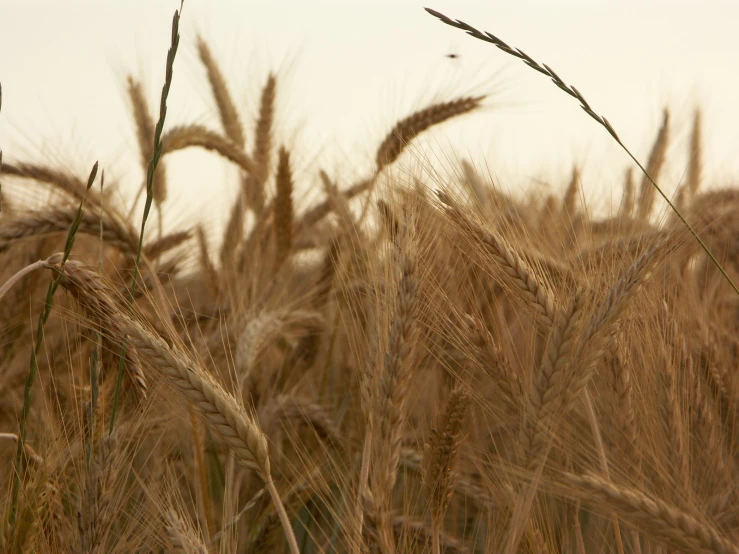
(340, 206)
(231, 124)
(647, 192)
(185, 136)
(145, 136)
(493, 361)
(410, 127)
(227, 112)
(706, 426)
(283, 209)
(239, 430)
(440, 457)
(654, 517)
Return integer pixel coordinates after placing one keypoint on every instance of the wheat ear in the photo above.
(184, 539)
(526, 284)
(254, 184)
(654, 166)
(145, 136)
(283, 209)
(549, 383)
(654, 516)
(410, 127)
(391, 392)
(61, 180)
(440, 456)
(227, 112)
(689, 188)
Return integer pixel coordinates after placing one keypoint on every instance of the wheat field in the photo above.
(411, 364)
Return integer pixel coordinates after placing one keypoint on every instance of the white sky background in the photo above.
(348, 70)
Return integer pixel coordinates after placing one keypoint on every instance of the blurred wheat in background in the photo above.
(416, 363)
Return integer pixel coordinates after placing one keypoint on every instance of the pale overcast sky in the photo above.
(348, 70)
